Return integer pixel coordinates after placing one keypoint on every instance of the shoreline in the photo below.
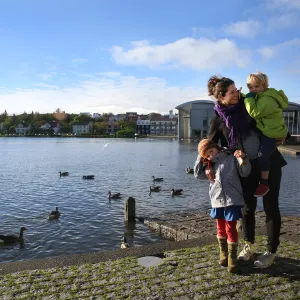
(182, 230)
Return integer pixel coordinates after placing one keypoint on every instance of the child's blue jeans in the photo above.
(267, 147)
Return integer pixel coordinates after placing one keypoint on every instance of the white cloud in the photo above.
(140, 43)
(267, 52)
(79, 60)
(198, 54)
(102, 94)
(285, 4)
(47, 76)
(246, 29)
(286, 48)
(283, 21)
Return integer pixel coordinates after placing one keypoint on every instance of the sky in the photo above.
(140, 55)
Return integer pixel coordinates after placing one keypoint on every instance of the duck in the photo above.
(154, 188)
(63, 173)
(13, 238)
(124, 243)
(157, 179)
(189, 171)
(54, 214)
(88, 177)
(176, 192)
(113, 196)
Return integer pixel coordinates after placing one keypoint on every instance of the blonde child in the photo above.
(226, 196)
(265, 105)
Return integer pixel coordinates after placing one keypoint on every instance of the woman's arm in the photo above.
(214, 129)
(243, 163)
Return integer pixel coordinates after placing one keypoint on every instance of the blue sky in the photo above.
(144, 56)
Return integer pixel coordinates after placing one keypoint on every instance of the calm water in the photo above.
(31, 188)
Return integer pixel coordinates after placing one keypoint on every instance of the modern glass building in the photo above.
(194, 118)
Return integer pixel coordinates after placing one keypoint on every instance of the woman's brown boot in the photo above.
(223, 251)
(232, 257)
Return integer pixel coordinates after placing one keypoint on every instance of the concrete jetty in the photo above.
(196, 224)
(290, 149)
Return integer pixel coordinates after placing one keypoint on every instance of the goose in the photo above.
(54, 214)
(157, 179)
(113, 196)
(154, 188)
(13, 238)
(124, 243)
(189, 171)
(63, 173)
(88, 177)
(176, 192)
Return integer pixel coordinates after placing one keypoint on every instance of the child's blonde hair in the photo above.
(258, 77)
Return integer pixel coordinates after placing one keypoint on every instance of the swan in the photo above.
(114, 196)
(54, 214)
(124, 243)
(12, 238)
(189, 171)
(88, 177)
(154, 188)
(176, 192)
(157, 179)
(63, 173)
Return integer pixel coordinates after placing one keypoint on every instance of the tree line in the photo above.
(35, 120)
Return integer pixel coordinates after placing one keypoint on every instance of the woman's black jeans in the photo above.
(270, 203)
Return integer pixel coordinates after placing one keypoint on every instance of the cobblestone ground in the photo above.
(190, 273)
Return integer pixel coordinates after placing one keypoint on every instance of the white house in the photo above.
(80, 128)
(96, 116)
(54, 125)
(21, 129)
(45, 126)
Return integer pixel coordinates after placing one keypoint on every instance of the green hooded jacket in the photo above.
(266, 108)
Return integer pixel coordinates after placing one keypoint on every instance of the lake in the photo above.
(31, 188)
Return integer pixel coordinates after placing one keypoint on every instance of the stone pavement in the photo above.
(185, 273)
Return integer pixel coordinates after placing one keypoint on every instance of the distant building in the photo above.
(21, 129)
(119, 117)
(131, 116)
(163, 125)
(194, 118)
(143, 117)
(143, 127)
(170, 115)
(96, 116)
(54, 125)
(80, 128)
(111, 126)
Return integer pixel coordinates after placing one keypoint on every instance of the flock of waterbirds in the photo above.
(54, 215)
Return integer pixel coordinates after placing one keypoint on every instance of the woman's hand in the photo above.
(210, 174)
(239, 154)
(280, 141)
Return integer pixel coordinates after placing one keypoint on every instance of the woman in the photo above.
(233, 127)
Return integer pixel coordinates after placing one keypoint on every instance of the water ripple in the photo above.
(31, 188)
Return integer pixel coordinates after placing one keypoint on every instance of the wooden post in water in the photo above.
(129, 209)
